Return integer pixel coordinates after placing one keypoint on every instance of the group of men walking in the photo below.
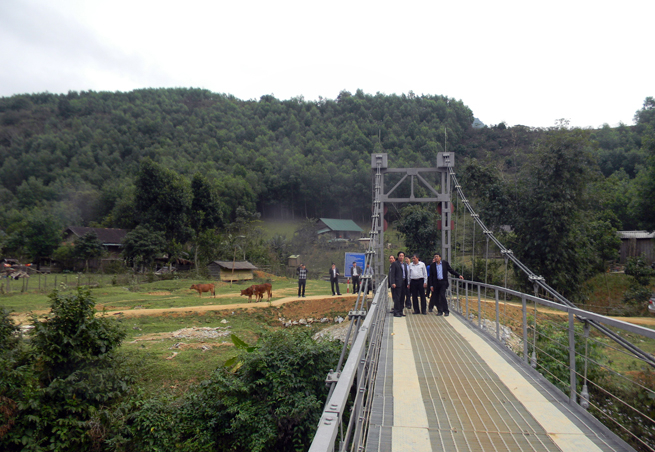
(413, 279)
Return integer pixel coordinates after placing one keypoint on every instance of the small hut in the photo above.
(231, 271)
(635, 244)
(294, 261)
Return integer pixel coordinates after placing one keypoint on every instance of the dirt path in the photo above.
(223, 307)
(23, 317)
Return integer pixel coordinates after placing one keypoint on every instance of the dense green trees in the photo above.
(142, 245)
(183, 161)
(277, 156)
(418, 225)
(54, 387)
(88, 247)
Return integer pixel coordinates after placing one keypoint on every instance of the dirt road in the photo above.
(224, 307)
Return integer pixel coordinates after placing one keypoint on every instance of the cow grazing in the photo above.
(204, 288)
(249, 291)
(262, 289)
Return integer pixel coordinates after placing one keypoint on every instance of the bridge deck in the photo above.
(442, 386)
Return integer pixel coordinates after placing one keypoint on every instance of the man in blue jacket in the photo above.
(438, 283)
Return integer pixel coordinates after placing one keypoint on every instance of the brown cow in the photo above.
(249, 291)
(262, 289)
(204, 288)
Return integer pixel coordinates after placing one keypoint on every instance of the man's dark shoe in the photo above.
(415, 312)
(397, 315)
(424, 313)
(446, 314)
(339, 294)
(439, 313)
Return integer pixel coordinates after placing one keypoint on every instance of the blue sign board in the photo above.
(360, 258)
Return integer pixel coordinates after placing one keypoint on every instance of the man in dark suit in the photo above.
(438, 282)
(405, 287)
(356, 273)
(408, 294)
(334, 279)
(397, 284)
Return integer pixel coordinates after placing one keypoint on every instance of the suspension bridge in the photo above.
(508, 371)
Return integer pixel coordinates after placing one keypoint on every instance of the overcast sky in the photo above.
(522, 62)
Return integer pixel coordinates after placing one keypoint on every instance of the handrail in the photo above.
(357, 366)
(629, 405)
(539, 281)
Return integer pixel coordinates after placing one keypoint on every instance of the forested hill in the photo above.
(81, 151)
(75, 156)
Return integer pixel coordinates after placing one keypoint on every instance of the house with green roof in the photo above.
(339, 229)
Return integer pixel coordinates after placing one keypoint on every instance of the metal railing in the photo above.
(345, 419)
(614, 384)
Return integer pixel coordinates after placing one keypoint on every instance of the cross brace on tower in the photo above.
(379, 162)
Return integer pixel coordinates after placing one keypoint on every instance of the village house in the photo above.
(111, 238)
(339, 229)
(231, 271)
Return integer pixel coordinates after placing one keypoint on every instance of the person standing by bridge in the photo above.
(408, 293)
(356, 272)
(439, 270)
(418, 281)
(334, 279)
(368, 271)
(302, 280)
(397, 283)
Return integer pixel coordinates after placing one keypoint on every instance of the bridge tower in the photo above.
(380, 167)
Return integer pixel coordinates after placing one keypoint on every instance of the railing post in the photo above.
(525, 330)
(574, 380)
(467, 301)
(479, 308)
(497, 318)
(459, 304)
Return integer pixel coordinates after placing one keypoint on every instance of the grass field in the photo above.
(167, 361)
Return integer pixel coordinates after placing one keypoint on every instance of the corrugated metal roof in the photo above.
(341, 225)
(238, 265)
(636, 234)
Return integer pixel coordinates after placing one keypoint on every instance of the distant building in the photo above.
(231, 271)
(111, 238)
(477, 124)
(339, 229)
(635, 244)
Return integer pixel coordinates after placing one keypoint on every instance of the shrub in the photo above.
(69, 372)
(272, 401)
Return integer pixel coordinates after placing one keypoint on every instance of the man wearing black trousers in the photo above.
(404, 295)
(356, 273)
(334, 279)
(408, 292)
(438, 283)
(397, 283)
(418, 281)
(302, 279)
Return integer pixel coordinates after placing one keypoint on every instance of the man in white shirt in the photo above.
(418, 281)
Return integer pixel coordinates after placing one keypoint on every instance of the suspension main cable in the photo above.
(539, 281)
